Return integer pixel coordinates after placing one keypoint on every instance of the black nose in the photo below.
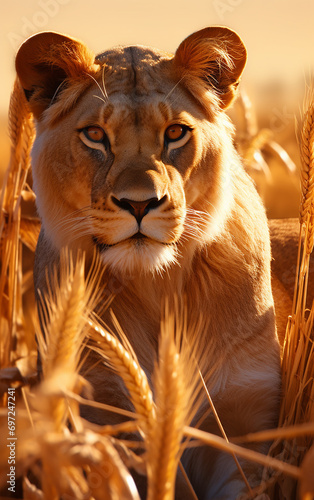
(138, 208)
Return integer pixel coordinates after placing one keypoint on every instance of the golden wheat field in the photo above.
(58, 454)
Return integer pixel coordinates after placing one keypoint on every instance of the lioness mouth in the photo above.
(103, 246)
(138, 236)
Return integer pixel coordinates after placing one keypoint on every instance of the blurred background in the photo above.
(279, 36)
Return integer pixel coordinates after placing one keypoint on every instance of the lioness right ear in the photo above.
(212, 58)
(44, 61)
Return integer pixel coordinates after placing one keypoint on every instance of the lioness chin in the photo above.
(134, 156)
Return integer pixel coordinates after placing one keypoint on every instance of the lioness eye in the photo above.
(94, 134)
(176, 136)
(175, 132)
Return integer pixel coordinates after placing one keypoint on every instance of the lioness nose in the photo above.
(138, 208)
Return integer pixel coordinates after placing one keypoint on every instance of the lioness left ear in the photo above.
(44, 61)
(212, 57)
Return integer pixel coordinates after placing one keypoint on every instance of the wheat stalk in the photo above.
(83, 466)
(127, 366)
(298, 352)
(306, 142)
(297, 365)
(18, 109)
(21, 135)
(223, 433)
(164, 440)
(60, 342)
(177, 391)
(29, 231)
(254, 456)
(288, 432)
(63, 333)
(69, 299)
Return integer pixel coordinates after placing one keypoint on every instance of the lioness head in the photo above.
(133, 152)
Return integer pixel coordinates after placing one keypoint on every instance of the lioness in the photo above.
(134, 156)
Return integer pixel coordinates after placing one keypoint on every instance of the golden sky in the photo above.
(279, 34)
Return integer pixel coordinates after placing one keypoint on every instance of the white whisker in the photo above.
(103, 83)
(101, 90)
(173, 88)
(74, 221)
(196, 225)
(56, 92)
(100, 98)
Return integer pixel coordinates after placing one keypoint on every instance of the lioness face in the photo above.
(135, 159)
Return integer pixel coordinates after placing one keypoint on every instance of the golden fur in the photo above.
(204, 234)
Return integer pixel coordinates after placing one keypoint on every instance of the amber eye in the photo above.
(94, 134)
(175, 132)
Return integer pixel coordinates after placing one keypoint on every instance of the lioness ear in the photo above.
(44, 61)
(212, 57)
